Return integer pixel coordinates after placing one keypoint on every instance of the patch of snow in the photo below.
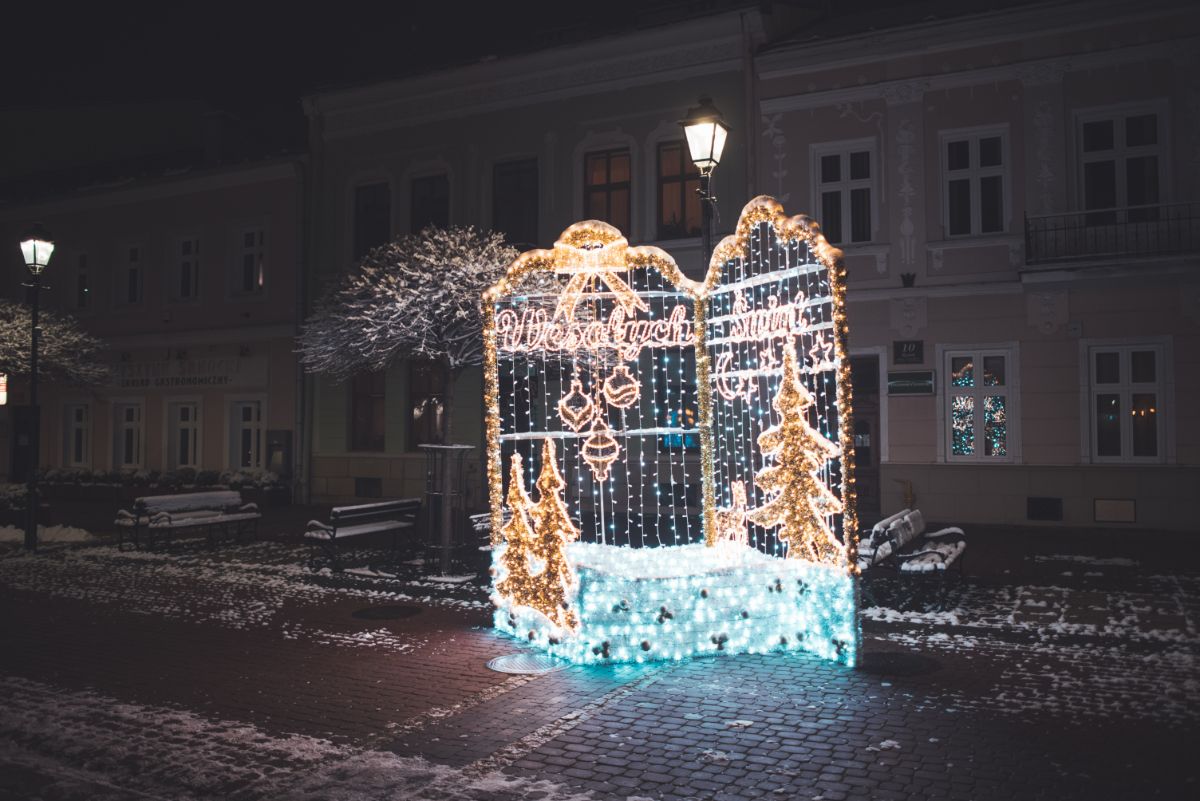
(1084, 559)
(46, 534)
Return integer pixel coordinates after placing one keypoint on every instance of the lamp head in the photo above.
(705, 131)
(37, 247)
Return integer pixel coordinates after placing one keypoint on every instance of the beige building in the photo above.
(1018, 198)
(192, 281)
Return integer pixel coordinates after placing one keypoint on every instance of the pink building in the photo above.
(192, 281)
(1018, 197)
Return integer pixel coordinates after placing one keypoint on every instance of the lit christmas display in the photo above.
(703, 431)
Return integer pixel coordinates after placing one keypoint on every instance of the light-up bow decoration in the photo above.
(592, 254)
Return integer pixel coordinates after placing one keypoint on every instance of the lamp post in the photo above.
(36, 247)
(705, 131)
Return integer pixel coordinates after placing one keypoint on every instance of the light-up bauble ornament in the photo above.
(620, 388)
(576, 408)
(600, 449)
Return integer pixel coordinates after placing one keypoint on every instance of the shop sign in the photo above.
(911, 383)
(217, 372)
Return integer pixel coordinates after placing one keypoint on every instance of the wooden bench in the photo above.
(162, 515)
(900, 542)
(346, 522)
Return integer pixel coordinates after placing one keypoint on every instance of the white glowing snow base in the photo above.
(645, 604)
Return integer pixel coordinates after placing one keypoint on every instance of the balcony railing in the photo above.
(1161, 229)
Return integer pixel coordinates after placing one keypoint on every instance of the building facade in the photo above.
(192, 283)
(1017, 197)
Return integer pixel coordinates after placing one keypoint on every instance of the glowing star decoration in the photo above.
(700, 441)
(620, 388)
(576, 408)
(731, 521)
(801, 503)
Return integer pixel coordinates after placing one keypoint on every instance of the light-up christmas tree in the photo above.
(800, 501)
(552, 530)
(520, 543)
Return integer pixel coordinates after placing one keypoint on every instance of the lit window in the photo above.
(980, 405)
(606, 188)
(678, 198)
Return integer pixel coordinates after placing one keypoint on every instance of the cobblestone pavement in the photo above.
(244, 673)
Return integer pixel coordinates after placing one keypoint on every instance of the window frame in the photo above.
(176, 261)
(119, 426)
(1011, 390)
(1163, 388)
(363, 183)
(121, 278)
(1119, 112)
(974, 173)
(236, 274)
(843, 148)
(427, 175)
(70, 427)
(683, 179)
(352, 443)
(232, 403)
(169, 431)
(510, 163)
(609, 186)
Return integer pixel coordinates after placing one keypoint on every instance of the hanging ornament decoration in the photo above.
(576, 408)
(620, 388)
(749, 369)
(600, 449)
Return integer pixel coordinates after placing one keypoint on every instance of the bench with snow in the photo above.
(218, 511)
(346, 522)
(481, 524)
(901, 540)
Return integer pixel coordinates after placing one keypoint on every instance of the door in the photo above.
(864, 380)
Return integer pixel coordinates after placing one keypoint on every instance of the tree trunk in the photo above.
(451, 376)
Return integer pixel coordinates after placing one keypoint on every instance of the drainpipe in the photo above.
(308, 213)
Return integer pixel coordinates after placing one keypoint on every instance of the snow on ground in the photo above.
(239, 587)
(1163, 609)
(46, 534)
(82, 745)
(1075, 683)
(1083, 559)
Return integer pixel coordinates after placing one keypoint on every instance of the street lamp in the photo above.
(706, 132)
(36, 247)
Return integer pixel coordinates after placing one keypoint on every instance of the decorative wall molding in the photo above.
(774, 133)
(1043, 153)
(909, 315)
(1078, 62)
(896, 94)
(1041, 73)
(906, 150)
(1047, 311)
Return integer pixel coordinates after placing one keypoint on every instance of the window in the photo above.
(1121, 166)
(515, 201)
(77, 435)
(1126, 393)
(678, 192)
(248, 272)
(245, 434)
(127, 436)
(426, 399)
(372, 217)
(184, 284)
(367, 394)
(606, 188)
(846, 190)
(430, 202)
(83, 296)
(975, 182)
(129, 278)
(183, 434)
(981, 405)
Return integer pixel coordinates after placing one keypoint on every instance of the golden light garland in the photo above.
(570, 255)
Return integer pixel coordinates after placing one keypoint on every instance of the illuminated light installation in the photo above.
(744, 546)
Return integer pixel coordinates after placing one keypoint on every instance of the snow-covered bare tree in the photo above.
(417, 296)
(65, 352)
